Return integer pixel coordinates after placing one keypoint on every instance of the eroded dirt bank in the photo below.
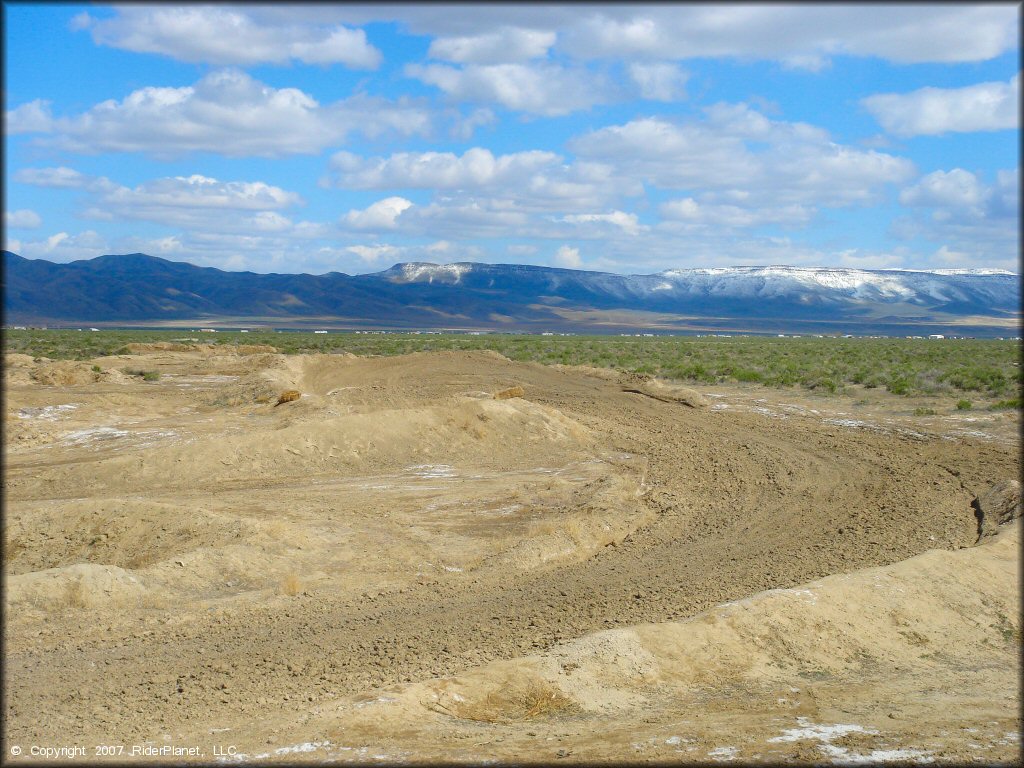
(185, 559)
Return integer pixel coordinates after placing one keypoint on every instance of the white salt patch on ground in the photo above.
(142, 438)
(93, 434)
(854, 423)
(770, 413)
(431, 470)
(508, 510)
(723, 754)
(842, 756)
(47, 412)
(809, 730)
(974, 433)
(309, 746)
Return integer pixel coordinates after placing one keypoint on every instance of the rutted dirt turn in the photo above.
(185, 556)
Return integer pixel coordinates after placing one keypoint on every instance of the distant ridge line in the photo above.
(142, 288)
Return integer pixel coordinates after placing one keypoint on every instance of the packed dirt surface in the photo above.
(451, 556)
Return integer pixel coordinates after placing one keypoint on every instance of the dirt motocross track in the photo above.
(399, 566)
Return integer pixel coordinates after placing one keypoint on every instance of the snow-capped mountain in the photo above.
(678, 289)
(136, 287)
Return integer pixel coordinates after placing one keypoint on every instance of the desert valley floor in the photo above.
(399, 566)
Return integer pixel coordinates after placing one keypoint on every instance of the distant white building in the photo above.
(936, 336)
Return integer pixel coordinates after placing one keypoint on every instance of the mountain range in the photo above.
(141, 290)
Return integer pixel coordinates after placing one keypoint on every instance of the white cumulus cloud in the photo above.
(539, 89)
(737, 156)
(933, 111)
(568, 257)
(967, 214)
(689, 211)
(230, 113)
(799, 35)
(63, 247)
(61, 177)
(22, 219)
(627, 222)
(660, 81)
(508, 44)
(228, 35)
(32, 117)
(475, 168)
(953, 189)
(374, 253)
(381, 215)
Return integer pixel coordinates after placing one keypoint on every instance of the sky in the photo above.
(619, 138)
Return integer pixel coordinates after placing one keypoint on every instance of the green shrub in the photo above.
(744, 375)
(1012, 403)
(96, 369)
(898, 386)
(924, 411)
(964, 405)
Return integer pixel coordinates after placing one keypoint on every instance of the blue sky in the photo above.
(623, 138)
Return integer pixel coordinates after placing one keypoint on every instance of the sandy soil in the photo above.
(400, 566)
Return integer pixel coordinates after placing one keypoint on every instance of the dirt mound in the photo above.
(18, 369)
(82, 586)
(18, 360)
(64, 373)
(250, 389)
(490, 433)
(114, 376)
(126, 533)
